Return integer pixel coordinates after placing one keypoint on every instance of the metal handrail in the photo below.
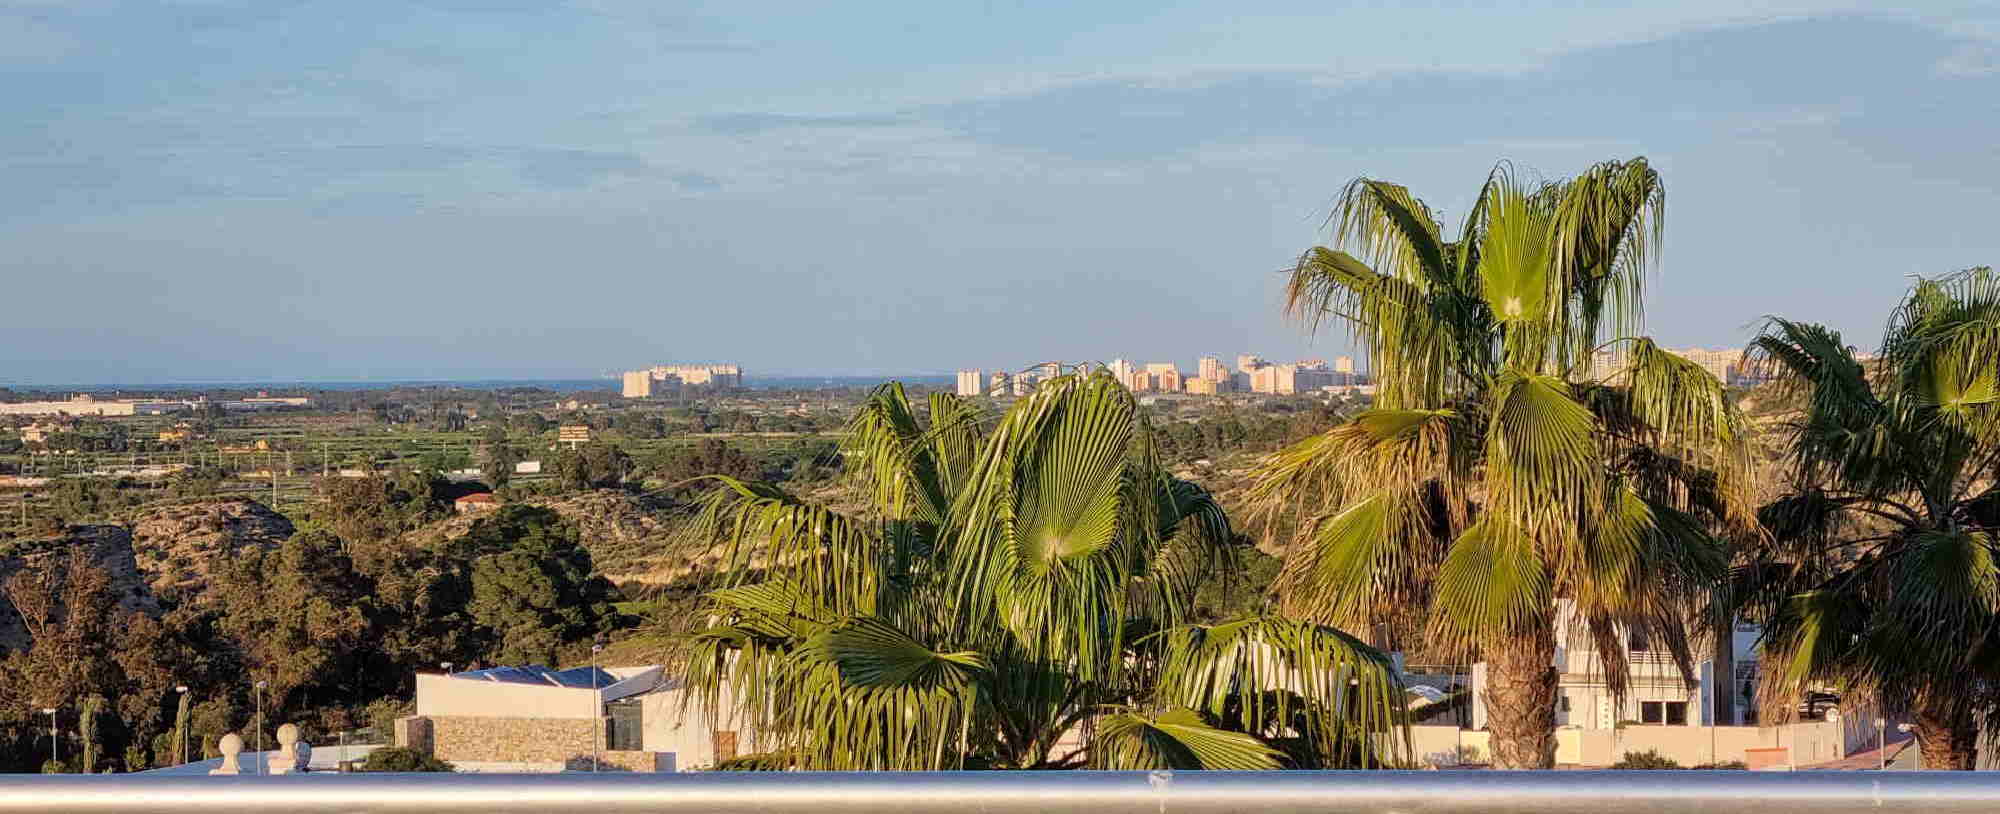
(1498, 792)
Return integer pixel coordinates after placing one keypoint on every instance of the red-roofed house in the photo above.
(477, 502)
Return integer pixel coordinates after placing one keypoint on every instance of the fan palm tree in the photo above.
(1009, 583)
(1888, 532)
(1525, 448)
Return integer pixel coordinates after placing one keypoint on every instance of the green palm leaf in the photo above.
(1177, 739)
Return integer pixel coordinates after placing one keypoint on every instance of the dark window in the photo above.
(1677, 713)
(1640, 641)
(625, 729)
(1652, 712)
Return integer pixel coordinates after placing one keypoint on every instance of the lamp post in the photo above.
(262, 759)
(183, 744)
(54, 756)
(596, 711)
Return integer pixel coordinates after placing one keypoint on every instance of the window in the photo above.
(1563, 703)
(625, 729)
(1670, 713)
(1677, 713)
(1639, 640)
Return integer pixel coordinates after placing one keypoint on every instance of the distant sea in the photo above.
(558, 385)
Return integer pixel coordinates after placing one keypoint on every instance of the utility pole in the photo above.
(55, 757)
(262, 759)
(596, 710)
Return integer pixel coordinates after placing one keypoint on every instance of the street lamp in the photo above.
(596, 710)
(262, 759)
(183, 690)
(54, 757)
(445, 666)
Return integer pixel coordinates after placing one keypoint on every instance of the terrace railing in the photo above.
(1560, 792)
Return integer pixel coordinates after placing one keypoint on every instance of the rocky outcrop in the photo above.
(174, 544)
(110, 548)
(631, 538)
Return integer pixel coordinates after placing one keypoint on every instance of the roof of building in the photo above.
(579, 677)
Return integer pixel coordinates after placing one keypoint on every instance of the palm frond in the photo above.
(1322, 683)
(1177, 739)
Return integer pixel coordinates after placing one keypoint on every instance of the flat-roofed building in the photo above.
(1122, 370)
(971, 382)
(79, 404)
(1210, 369)
(1722, 364)
(638, 384)
(537, 719)
(1140, 381)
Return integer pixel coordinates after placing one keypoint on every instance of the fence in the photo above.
(1660, 792)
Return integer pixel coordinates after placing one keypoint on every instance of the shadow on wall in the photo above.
(583, 763)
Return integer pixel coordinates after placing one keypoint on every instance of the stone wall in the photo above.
(415, 732)
(525, 740)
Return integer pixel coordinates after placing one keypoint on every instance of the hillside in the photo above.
(630, 537)
(174, 544)
(110, 548)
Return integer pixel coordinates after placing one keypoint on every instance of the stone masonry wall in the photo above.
(526, 740)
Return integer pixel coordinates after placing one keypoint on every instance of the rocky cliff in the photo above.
(173, 544)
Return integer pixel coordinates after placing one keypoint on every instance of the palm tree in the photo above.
(1506, 463)
(1886, 536)
(1009, 583)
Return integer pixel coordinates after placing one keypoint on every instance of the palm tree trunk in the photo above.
(1948, 738)
(1521, 697)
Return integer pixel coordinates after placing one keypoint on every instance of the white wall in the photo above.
(688, 733)
(447, 695)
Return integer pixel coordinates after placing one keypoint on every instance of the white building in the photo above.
(535, 719)
(638, 384)
(971, 382)
(1655, 693)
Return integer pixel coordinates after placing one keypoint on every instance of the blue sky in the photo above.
(281, 189)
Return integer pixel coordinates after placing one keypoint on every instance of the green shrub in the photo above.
(1648, 759)
(1727, 764)
(402, 759)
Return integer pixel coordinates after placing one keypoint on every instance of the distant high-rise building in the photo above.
(1343, 364)
(1722, 364)
(1048, 370)
(661, 378)
(971, 382)
(1210, 369)
(1122, 370)
(1140, 381)
(1210, 387)
(638, 384)
(1170, 381)
(1249, 362)
(1311, 375)
(1000, 383)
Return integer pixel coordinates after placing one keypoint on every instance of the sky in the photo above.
(243, 190)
